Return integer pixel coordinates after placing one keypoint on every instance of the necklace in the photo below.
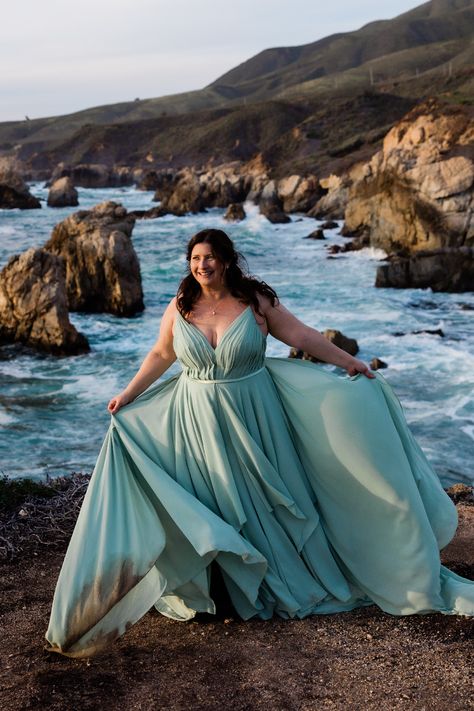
(213, 309)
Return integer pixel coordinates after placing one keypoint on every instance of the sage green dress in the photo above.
(306, 487)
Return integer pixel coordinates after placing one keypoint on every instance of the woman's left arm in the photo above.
(282, 324)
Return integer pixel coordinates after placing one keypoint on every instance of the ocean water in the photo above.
(53, 414)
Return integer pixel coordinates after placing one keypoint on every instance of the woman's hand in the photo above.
(358, 366)
(117, 402)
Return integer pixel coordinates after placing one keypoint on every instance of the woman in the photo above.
(306, 488)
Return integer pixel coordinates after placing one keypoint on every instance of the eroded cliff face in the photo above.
(102, 268)
(417, 192)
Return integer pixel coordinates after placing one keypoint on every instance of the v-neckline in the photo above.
(231, 324)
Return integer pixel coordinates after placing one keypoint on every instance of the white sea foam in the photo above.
(6, 418)
(469, 431)
(93, 388)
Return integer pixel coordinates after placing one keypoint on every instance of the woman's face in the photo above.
(206, 268)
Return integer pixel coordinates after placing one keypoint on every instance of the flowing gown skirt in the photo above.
(306, 487)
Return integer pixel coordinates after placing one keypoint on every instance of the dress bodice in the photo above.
(240, 351)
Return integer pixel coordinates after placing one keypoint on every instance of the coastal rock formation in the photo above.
(149, 180)
(271, 205)
(349, 345)
(150, 214)
(447, 269)
(316, 234)
(94, 175)
(359, 242)
(62, 193)
(33, 304)
(224, 185)
(102, 269)
(417, 195)
(341, 341)
(14, 192)
(298, 194)
(183, 194)
(235, 212)
(190, 190)
(377, 363)
(332, 204)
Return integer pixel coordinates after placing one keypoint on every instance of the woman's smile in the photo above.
(205, 266)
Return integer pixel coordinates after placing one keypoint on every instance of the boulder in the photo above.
(235, 212)
(448, 269)
(376, 364)
(33, 304)
(341, 341)
(337, 337)
(316, 234)
(274, 214)
(14, 192)
(102, 269)
(357, 243)
(431, 331)
(62, 193)
(150, 214)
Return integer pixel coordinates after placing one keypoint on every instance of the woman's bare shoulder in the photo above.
(265, 303)
(169, 314)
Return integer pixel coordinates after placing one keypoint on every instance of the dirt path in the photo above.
(360, 660)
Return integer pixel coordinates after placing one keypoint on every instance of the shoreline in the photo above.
(364, 659)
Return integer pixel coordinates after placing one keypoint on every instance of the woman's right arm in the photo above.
(156, 362)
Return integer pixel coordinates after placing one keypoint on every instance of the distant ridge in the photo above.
(426, 51)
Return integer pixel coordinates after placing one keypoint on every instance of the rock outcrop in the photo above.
(316, 234)
(190, 190)
(102, 269)
(332, 204)
(33, 304)
(235, 212)
(150, 214)
(14, 192)
(417, 195)
(95, 175)
(447, 269)
(299, 194)
(347, 344)
(271, 205)
(183, 194)
(62, 193)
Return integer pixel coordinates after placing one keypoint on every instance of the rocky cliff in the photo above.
(416, 196)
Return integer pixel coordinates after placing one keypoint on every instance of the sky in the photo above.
(58, 56)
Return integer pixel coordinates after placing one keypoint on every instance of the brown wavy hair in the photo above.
(237, 279)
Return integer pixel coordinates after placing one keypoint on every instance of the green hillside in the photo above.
(419, 40)
(258, 105)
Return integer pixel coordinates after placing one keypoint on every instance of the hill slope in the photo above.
(426, 51)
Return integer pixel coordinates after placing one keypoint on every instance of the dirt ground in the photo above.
(360, 660)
